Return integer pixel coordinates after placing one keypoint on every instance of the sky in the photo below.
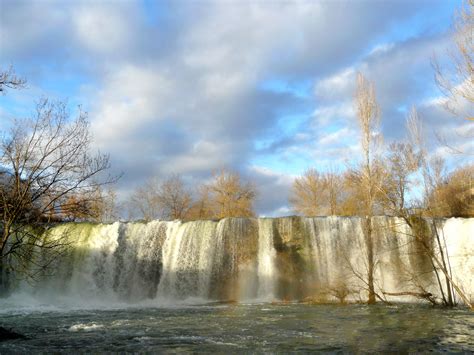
(264, 88)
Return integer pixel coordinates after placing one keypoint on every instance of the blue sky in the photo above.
(262, 87)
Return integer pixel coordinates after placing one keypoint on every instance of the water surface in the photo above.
(243, 328)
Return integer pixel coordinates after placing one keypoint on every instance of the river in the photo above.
(231, 328)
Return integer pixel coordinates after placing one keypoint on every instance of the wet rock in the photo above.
(8, 334)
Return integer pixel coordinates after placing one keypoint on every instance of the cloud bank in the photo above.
(264, 88)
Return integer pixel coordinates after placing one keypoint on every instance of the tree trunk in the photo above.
(443, 260)
(370, 260)
(3, 264)
(437, 263)
(4, 279)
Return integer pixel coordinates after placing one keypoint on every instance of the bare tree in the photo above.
(227, 196)
(401, 163)
(104, 206)
(351, 195)
(332, 185)
(307, 194)
(78, 207)
(110, 206)
(168, 199)
(45, 161)
(173, 198)
(453, 196)
(317, 194)
(201, 208)
(431, 175)
(367, 174)
(144, 201)
(8, 79)
(456, 80)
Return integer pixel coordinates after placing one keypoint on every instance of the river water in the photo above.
(150, 287)
(232, 328)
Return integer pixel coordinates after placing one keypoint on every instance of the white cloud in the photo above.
(131, 99)
(338, 137)
(340, 85)
(334, 112)
(381, 48)
(104, 28)
(273, 190)
(183, 94)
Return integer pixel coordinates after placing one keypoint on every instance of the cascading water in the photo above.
(189, 254)
(266, 260)
(326, 252)
(245, 259)
(138, 259)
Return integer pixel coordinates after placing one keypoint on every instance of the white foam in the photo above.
(86, 327)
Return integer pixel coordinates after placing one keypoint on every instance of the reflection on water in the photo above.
(243, 328)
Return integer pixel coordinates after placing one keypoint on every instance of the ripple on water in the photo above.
(248, 328)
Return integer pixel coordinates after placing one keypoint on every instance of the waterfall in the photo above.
(244, 259)
(190, 253)
(326, 251)
(266, 260)
(458, 233)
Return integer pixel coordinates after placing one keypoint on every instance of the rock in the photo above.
(8, 334)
